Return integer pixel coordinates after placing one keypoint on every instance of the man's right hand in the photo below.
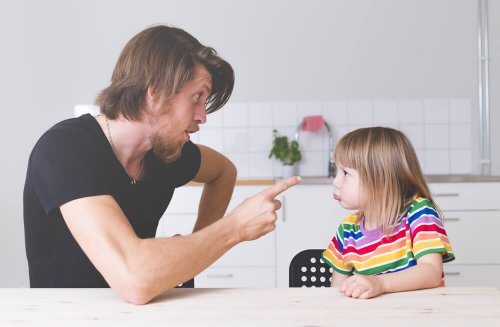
(256, 216)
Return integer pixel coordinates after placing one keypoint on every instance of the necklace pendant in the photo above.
(133, 181)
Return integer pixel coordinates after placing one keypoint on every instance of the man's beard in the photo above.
(166, 150)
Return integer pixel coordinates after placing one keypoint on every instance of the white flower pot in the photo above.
(289, 171)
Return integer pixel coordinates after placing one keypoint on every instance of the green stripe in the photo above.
(383, 268)
(418, 205)
(447, 256)
(343, 272)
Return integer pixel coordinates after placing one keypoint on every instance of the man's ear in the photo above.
(150, 96)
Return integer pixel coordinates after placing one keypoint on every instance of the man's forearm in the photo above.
(215, 199)
(163, 263)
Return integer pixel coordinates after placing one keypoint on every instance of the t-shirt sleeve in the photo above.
(186, 167)
(334, 254)
(64, 166)
(427, 231)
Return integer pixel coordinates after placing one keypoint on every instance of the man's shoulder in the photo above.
(69, 131)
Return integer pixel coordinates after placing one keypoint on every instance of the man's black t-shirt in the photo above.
(73, 160)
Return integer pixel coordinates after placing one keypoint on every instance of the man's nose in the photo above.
(201, 115)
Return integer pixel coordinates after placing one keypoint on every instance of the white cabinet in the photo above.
(249, 264)
(472, 220)
(308, 220)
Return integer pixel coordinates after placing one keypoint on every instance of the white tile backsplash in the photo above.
(415, 133)
(215, 119)
(313, 164)
(335, 112)
(436, 111)
(260, 139)
(308, 109)
(460, 161)
(410, 111)
(460, 136)
(236, 139)
(437, 136)
(260, 165)
(437, 162)
(460, 111)
(241, 161)
(212, 137)
(385, 113)
(260, 115)
(313, 141)
(439, 129)
(285, 114)
(235, 115)
(360, 112)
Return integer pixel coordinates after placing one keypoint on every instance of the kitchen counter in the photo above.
(326, 180)
(250, 307)
(429, 178)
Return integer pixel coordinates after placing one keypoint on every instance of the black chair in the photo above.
(307, 269)
(187, 284)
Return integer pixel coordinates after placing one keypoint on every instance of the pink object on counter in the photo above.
(312, 123)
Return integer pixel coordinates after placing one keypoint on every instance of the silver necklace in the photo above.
(133, 179)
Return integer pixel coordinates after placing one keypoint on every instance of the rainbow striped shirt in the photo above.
(355, 250)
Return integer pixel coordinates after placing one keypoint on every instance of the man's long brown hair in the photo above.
(165, 59)
(389, 171)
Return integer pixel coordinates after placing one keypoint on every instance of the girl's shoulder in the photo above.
(421, 206)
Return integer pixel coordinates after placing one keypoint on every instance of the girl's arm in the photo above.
(426, 274)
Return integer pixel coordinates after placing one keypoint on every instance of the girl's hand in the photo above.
(362, 287)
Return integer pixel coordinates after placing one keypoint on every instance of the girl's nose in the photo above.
(336, 181)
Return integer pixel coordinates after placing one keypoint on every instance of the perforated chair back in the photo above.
(187, 284)
(307, 269)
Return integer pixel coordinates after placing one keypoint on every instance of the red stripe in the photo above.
(427, 228)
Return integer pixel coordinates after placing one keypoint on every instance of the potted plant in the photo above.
(285, 151)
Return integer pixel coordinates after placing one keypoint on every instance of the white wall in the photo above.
(57, 53)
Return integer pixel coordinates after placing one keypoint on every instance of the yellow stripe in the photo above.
(428, 244)
(336, 262)
(378, 260)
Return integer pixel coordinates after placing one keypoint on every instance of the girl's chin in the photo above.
(346, 205)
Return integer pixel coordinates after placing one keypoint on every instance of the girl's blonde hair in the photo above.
(389, 172)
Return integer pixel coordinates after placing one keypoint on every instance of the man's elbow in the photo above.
(231, 171)
(135, 290)
(135, 293)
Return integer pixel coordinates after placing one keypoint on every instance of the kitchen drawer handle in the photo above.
(220, 275)
(446, 194)
(452, 273)
(452, 219)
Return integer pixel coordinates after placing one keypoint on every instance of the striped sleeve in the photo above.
(334, 256)
(427, 231)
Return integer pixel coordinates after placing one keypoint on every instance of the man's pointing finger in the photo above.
(280, 187)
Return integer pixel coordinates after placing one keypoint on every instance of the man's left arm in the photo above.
(218, 174)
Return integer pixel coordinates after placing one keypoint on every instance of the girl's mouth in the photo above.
(336, 197)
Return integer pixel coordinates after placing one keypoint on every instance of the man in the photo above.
(96, 187)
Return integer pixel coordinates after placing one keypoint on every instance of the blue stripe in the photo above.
(352, 234)
(425, 211)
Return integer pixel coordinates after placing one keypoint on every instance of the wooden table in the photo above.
(442, 307)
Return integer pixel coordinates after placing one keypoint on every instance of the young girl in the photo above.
(396, 240)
